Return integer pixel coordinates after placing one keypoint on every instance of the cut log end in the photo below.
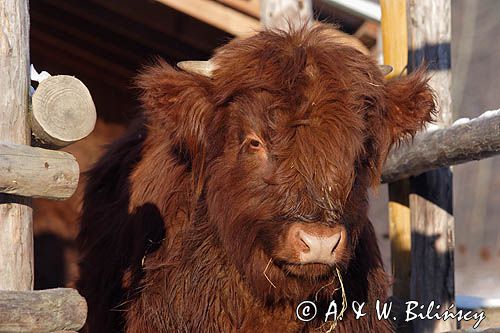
(62, 112)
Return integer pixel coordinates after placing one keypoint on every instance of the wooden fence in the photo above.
(61, 111)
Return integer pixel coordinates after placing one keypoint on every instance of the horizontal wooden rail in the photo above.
(36, 172)
(49, 310)
(462, 142)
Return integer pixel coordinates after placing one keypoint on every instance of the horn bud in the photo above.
(204, 68)
(385, 69)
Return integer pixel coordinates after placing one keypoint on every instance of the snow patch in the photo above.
(490, 113)
(461, 121)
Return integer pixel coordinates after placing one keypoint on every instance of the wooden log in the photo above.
(36, 172)
(431, 198)
(16, 232)
(49, 310)
(62, 112)
(469, 141)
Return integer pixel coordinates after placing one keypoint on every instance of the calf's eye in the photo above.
(255, 143)
(255, 146)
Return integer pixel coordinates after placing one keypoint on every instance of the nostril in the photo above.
(305, 247)
(313, 243)
(336, 243)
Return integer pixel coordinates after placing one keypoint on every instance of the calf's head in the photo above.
(283, 136)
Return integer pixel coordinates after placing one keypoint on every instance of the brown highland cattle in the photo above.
(242, 192)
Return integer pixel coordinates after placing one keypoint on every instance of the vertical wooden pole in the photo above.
(395, 46)
(283, 14)
(394, 35)
(16, 232)
(431, 199)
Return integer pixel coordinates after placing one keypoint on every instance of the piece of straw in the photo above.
(265, 270)
(344, 303)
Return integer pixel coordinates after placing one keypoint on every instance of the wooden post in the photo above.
(395, 46)
(431, 199)
(284, 14)
(16, 232)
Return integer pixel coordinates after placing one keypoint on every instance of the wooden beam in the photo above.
(62, 112)
(431, 198)
(472, 140)
(43, 18)
(139, 34)
(176, 26)
(217, 15)
(42, 311)
(16, 232)
(36, 172)
(103, 62)
(71, 63)
(249, 7)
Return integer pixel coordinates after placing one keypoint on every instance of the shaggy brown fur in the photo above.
(182, 216)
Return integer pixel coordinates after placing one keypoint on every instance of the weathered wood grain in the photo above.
(431, 198)
(49, 310)
(394, 35)
(16, 233)
(474, 140)
(216, 14)
(36, 172)
(285, 14)
(395, 46)
(62, 112)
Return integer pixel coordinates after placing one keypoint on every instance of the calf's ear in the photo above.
(410, 104)
(177, 107)
(407, 104)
